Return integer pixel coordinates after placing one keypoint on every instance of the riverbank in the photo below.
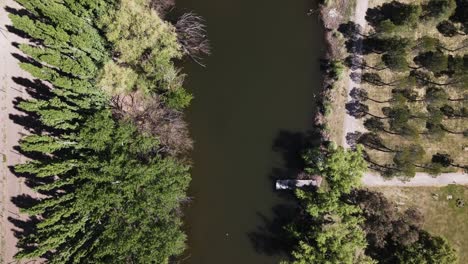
(335, 93)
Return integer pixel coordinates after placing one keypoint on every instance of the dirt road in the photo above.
(10, 133)
(351, 124)
(421, 179)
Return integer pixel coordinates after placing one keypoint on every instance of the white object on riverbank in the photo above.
(292, 184)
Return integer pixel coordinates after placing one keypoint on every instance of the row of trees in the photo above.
(103, 153)
(341, 224)
(421, 71)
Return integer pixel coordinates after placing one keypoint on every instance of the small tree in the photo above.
(374, 124)
(439, 9)
(428, 249)
(350, 30)
(443, 159)
(407, 157)
(448, 29)
(433, 61)
(426, 43)
(396, 60)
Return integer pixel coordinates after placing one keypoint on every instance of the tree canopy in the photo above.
(111, 191)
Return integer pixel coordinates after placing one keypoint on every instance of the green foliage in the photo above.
(426, 43)
(427, 250)
(122, 203)
(336, 70)
(144, 53)
(439, 9)
(433, 61)
(116, 79)
(447, 28)
(110, 195)
(396, 61)
(407, 158)
(330, 230)
(400, 14)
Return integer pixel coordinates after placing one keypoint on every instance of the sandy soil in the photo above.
(10, 133)
(352, 124)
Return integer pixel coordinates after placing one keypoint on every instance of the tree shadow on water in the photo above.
(270, 236)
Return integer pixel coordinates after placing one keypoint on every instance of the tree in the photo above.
(448, 29)
(436, 96)
(374, 124)
(426, 43)
(375, 79)
(439, 9)
(111, 192)
(460, 15)
(350, 30)
(191, 35)
(428, 249)
(385, 226)
(443, 159)
(387, 27)
(361, 95)
(433, 61)
(396, 60)
(329, 230)
(116, 79)
(150, 49)
(399, 117)
(398, 13)
(407, 157)
(121, 200)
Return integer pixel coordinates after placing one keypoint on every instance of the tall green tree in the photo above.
(329, 230)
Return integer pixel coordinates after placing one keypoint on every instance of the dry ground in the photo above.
(442, 216)
(10, 133)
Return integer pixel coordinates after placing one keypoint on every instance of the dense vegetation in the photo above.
(414, 86)
(108, 144)
(339, 223)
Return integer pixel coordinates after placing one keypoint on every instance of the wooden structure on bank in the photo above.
(303, 181)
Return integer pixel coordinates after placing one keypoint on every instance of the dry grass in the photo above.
(442, 216)
(453, 144)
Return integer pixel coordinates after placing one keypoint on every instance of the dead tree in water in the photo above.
(191, 34)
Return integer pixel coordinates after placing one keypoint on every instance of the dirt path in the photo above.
(421, 179)
(10, 133)
(351, 124)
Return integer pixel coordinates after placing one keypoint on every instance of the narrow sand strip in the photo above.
(10, 133)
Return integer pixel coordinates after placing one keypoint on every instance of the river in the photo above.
(252, 103)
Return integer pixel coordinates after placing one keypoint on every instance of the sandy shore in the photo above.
(10, 133)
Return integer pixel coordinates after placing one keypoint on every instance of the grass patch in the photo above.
(442, 216)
